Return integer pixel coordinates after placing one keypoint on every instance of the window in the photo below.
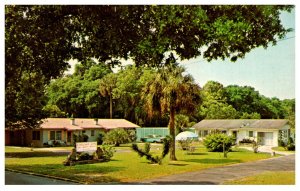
(224, 131)
(55, 135)
(35, 135)
(205, 132)
(58, 135)
(285, 133)
(83, 131)
(52, 135)
(92, 132)
(250, 133)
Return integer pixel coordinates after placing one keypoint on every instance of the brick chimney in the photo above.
(72, 122)
(96, 121)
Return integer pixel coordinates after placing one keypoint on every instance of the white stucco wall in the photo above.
(241, 134)
(88, 132)
(275, 138)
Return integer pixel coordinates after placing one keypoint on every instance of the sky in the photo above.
(270, 71)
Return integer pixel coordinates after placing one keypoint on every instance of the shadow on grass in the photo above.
(213, 161)
(35, 154)
(89, 173)
(197, 153)
(178, 164)
(182, 183)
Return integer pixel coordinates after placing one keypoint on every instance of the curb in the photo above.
(46, 176)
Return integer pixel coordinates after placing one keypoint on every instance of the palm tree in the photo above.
(106, 86)
(169, 91)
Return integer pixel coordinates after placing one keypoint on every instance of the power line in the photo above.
(286, 38)
(203, 60)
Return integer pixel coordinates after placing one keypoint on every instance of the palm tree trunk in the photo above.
(172, 134)
(110, 106)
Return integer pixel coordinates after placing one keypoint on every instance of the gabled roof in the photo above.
(85, 123)
(116, 123)
(241, 123)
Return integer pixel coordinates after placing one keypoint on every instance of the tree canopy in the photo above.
(79, 95)
(40, 39)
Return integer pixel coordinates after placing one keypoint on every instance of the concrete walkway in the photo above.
(221, 174)
(268, 149)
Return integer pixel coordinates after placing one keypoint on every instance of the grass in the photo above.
(268, 178)
(126, 165)
(282, 149)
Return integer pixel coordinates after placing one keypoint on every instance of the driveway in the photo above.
(221, 174)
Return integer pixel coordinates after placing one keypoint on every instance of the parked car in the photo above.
(153, 139)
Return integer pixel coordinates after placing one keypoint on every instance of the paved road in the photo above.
(221, 174)
(13, 178)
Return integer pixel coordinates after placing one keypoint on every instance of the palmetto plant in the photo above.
(106, 86)
(171, 92)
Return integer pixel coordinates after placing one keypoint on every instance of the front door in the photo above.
(69, 137)
(260, 138)
(234, 134)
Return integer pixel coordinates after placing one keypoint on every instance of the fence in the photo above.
(162, 131)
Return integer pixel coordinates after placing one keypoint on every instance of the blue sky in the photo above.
(270, 71)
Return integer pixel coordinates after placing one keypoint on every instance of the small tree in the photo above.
(185, 144)
(132, 135)
(146, 152)
(218, 142)
(116, 137)
(256, 144)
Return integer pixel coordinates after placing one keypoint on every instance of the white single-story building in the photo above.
(63, 129)
(264, 131)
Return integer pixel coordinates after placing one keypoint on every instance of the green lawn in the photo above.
(126, 165)
(282, 149)
(268, 178)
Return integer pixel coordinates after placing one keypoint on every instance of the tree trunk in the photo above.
(172, 134)
(110, 106)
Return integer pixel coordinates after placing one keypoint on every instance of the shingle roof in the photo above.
(241, 123)
(85, 123)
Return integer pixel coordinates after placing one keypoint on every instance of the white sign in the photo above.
(86, 146)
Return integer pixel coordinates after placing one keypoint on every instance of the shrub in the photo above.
(247, 140)
(185, 144)
(216, 142)
(290, 144)
(100, 138)
(108, 152)
(84, 156)
(132, 135)
(116, 137)
(150, 157)
(166, 146)
(85, 138)
(281, 143)
(147, 147)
